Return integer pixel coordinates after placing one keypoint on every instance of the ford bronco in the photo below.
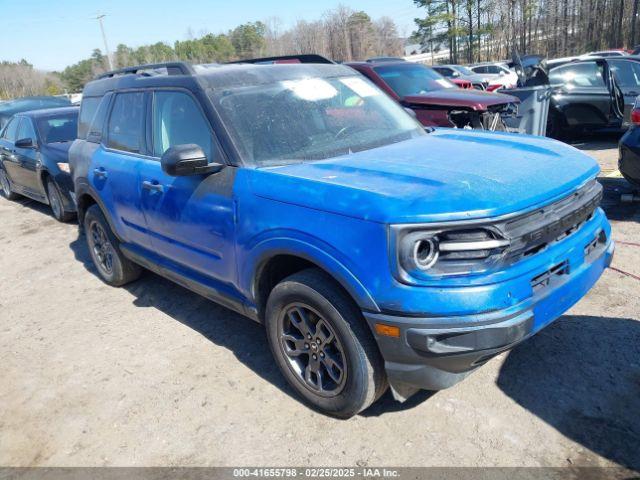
(374, 251)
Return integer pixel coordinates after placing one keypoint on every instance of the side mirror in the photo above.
(502, 74)
(24, 143)
(455, 74)
(187, 159)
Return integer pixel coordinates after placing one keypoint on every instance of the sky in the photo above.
(51, 34)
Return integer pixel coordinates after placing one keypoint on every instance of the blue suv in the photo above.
(375, 252)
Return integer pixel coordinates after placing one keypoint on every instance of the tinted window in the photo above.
(412, 79)
(26, 130)
(12, 129)
(177, 120)
(626, 73)
(126, 123)
(579, 75)
(88, 109)
(447, 72)
(480, 69)
(58, 129)
(97, 125)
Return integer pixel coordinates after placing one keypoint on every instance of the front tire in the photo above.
(323, 345)
(113, 267)
(5, 186)
(55, 202)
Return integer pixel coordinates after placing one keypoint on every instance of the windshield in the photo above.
(307, 119)
(412, 79)
(59, 128)
(465, 70)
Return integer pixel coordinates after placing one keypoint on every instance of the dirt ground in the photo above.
(154, 375)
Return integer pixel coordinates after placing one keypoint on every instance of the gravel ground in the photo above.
(154, 375)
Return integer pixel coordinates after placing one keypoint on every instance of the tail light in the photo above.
(635, 114)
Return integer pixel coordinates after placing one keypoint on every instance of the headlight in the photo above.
(423, 253)
(64, 167)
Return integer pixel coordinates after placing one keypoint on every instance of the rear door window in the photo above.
(626, 73)
(126, 123)
(579, 75)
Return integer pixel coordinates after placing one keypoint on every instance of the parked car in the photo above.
(479, 82)
(435, 100)
(24, 104)
(629, 161)
(34, 158)
(593, 95)
(604, 54)
(304, 198)
(497, 74)
(385, 59)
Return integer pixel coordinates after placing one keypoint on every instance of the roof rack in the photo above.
(304, 58)
(173, 68)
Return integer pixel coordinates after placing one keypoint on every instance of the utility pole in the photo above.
(634, 21)
(99, 17)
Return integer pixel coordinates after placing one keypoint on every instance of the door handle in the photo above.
(100, 173)
(152, 187)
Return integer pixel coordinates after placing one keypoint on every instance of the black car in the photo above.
(629, 162)
(10, 107)
(34, 150)
(593, 95)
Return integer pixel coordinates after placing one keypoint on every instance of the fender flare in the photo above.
(308, 248)
(82, 188)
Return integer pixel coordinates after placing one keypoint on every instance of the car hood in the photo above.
(57, 152)
(447, 175)
(457, 97)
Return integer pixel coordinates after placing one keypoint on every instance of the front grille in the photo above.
(533, 232)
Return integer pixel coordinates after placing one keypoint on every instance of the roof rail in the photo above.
(173, 68)
(303, 58)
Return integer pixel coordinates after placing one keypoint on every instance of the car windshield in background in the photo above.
(309, 119)
(412, 79)
(58, 129)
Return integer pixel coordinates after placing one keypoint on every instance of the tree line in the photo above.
(481, 30)
(20, 79)
(341, 34)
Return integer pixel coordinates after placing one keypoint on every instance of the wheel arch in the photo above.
(281, 259)
(85, 198)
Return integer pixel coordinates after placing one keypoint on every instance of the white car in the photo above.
(604, 53)
(500, 76)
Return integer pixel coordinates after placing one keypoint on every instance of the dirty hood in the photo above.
(474, 99)
(447, 175)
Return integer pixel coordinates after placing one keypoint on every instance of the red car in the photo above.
(436, 101)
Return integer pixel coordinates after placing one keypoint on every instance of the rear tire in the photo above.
(55, 202)
(5, 186)
(113, 267)
(556, 126)
(323, 345)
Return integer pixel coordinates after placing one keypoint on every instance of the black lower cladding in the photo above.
(629, 162)
(437, 356)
